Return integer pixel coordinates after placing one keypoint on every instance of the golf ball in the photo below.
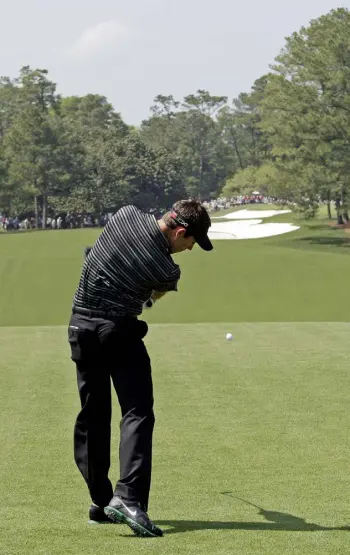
(229, 336)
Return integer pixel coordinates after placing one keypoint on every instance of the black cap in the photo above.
(196, 228)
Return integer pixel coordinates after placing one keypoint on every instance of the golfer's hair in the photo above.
(191, 210)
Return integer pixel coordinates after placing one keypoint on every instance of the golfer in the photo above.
(129, 264)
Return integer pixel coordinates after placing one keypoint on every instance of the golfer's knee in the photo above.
(141, 415)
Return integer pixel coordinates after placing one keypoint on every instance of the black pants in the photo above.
(105, 349)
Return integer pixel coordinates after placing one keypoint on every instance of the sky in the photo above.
(132, 50)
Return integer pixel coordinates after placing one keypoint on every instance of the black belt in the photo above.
(105, 314)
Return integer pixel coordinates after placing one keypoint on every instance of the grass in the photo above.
(251, 446)
(251, 439)
(300, 276)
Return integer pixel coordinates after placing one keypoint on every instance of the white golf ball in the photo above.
(229, 336)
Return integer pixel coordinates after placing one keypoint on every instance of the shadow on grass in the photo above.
(324, 226)
(280, 522)
(326, 240)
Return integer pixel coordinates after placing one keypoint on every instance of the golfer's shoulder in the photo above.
(125, 220)
(129, 213)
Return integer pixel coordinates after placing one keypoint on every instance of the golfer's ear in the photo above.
(180, 231)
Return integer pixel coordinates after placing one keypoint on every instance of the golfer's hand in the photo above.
(148, 304)
(156, 295)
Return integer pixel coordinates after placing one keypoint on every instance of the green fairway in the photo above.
(251, 443)
(300, 276)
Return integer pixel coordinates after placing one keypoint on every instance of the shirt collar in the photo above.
(159, 235)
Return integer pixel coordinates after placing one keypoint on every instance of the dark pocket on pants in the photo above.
(83, 340)
(137, 329)
(142, 328)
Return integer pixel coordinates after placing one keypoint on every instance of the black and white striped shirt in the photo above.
(129, 260)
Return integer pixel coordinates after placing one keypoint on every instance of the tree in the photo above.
(92, 114)
(240, 128)
(147, 177)
(159, 130)
(31, 144)
(306, 111)
(123, 170)
(9, 96)
(190, 131)
(201, 137)
(96, 128)
(266, 178)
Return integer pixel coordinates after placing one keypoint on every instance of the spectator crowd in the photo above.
(74, 221)
(64, 221)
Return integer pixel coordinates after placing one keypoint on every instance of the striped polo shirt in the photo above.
(129, 260)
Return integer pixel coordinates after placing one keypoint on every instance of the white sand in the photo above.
(249, 214)
(248, 229)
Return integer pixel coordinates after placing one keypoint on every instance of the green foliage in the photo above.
(306, 110)
(76, 153)
(266, 178)
(244, 181)
(240, 129)
(190, 131)
(289, 137)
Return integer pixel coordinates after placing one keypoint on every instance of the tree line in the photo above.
(289, 137)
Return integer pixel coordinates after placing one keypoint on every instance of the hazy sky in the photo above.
(132, 50)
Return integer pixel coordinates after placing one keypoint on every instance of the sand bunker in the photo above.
(249, 228)
(249, 214)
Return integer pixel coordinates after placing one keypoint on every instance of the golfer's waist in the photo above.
(108, 314)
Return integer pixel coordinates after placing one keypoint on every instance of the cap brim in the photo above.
(204, 243)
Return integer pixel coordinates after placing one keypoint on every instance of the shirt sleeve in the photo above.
(171, 283)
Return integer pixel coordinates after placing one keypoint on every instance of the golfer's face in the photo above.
(182, 243)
